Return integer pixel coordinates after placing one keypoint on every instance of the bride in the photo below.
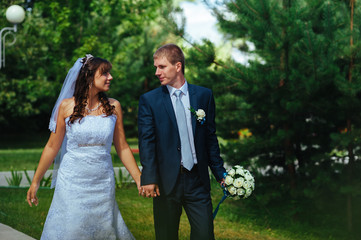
(84, 123)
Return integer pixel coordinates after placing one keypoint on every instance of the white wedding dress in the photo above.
(84, 205)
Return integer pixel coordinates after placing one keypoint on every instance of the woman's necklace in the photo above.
(92, 110)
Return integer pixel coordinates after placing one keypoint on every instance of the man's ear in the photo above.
(178, 66)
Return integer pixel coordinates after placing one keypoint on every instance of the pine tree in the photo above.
(300, 98)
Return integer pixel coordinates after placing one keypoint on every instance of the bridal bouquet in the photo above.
(238, 183)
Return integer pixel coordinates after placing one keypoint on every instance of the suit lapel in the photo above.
(168, 106)
(194, 104)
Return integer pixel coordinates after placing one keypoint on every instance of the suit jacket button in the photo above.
(178, 148)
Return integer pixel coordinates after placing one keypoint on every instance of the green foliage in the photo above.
(299, 97)
(44, 182)
(15, 178)
(55, 34)
(122, 180)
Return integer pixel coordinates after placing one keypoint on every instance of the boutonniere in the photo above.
(199, 114)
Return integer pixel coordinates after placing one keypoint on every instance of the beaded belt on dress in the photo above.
(91, 144)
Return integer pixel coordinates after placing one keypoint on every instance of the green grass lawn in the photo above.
(233, 221)
(26, 156)
(243, 219)
(20, 159)
(36, 140)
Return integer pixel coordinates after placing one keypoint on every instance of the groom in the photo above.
(176, 148)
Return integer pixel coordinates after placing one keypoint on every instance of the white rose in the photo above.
(240, 171)
(247, 184)
(232, 190)
(248, 176)
(238, 182)
(237, 166)
(241, 192)
(200, 114)
(231, 172)
(248, 193)
(228, 180)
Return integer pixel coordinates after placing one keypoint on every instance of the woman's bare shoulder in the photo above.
(117, 106)
(67, 106)
(67, 101)
(114, 102)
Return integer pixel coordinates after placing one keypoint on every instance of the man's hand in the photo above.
(150, 191)
(222, 183)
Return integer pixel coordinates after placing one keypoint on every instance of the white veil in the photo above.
(67, 91)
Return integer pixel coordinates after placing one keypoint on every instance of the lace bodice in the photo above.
(92, 133)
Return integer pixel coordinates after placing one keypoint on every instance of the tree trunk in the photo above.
(349, 128)
(350, 179)
(289, 160)
(284, 68)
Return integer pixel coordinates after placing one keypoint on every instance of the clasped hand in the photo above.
(149, 191)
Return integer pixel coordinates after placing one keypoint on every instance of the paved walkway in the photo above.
(9, 233)
(25, 182)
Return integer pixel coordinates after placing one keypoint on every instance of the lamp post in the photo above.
(15, 15)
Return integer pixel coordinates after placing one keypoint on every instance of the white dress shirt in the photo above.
(184, 97)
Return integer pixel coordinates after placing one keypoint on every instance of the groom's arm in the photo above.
(147, 148)
(215, 160)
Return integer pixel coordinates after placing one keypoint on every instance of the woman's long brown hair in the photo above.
(82, 85)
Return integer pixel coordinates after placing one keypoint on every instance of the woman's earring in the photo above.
(91, 84)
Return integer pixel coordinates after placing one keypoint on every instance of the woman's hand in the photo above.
(140, 188)
(31, 196)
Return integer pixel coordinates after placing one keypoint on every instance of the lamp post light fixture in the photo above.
(15, 15)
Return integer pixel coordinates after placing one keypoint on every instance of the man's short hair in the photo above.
(172, 52)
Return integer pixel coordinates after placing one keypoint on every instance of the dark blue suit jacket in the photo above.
(159, 142)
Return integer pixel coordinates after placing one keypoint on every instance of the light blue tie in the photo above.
(187, 158)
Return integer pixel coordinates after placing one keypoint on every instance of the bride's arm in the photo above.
(121, 146)
(50, 151)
